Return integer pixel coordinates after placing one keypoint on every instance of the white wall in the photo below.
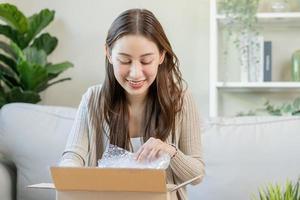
(81, 28)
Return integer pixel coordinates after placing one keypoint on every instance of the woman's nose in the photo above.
(135, 70)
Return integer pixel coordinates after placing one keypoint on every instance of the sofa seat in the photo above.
(7, 179)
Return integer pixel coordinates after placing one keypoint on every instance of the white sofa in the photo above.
(241, 154)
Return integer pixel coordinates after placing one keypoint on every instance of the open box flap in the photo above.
(109, 179)
(42, 186)
(176, 187)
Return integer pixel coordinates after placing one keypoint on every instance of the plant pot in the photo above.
(295, 67)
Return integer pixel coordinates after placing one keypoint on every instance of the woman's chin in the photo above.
(136, 92)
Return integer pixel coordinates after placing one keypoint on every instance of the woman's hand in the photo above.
(152, 149)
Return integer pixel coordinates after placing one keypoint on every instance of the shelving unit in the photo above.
(287, 19)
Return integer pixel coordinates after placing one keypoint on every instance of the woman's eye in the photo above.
(146, 63)
(124, 62)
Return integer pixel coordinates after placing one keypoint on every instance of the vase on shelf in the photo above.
(295, 67)
(279, 6)
(250, 56)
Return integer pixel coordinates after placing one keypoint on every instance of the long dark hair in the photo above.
(109, 108)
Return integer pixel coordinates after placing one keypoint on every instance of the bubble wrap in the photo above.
(116, 157)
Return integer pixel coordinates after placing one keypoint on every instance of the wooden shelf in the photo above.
(291, 19)
(284, 15)
(277, 16)
(258, 86)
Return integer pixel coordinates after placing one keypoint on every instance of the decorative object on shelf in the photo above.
(241, 23)
(295, 70)
(286, 109)
(267, 60)
(279, 6)
(24, 69)
(289, 191)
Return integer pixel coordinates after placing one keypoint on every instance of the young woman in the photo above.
(141, 106)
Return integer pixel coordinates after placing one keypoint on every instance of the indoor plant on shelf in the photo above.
(240, 24)
(24, 69)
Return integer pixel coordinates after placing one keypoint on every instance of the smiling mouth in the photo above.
(136, 84)
(132, 81)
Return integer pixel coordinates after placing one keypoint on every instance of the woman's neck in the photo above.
(137, 102)
(136, 108)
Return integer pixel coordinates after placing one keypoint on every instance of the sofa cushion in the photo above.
(34, 136)
(6, 180)
(244, 153)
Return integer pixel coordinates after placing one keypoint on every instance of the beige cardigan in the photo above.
(187, 164)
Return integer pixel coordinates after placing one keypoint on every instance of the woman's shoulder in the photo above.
(188, 101)
(187, 96)
(95, 88)
(92, 91)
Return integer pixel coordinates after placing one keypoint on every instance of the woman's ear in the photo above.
(162, 57)
(107, 54)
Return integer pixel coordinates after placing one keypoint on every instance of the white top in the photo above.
(136, 143)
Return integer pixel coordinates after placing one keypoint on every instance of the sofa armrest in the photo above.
(8, 177)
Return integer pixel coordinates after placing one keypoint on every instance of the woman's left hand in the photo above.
(152, 149)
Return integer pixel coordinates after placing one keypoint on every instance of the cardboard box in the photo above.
(93, 183)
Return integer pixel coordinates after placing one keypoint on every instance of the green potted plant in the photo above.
(240, 15)
(291, 191)
(24, 68)
(240, 24)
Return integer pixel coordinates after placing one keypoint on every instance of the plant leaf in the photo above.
(45, 42)
(38, 22)
(296, 113)
(8, 49)
(13, 35)
(6, 71)
(53, 83)
(13, 17)
(287, 108)
(8, 62)
(32, 76)
(58, 68)
(35, 57)
(52, 76)
(296, 103)
(19, 55)
(18, 95)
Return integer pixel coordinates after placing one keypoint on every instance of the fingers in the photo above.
(146, 149)
(137, 154)
(150, 150)
(143, 155)
(153, 154)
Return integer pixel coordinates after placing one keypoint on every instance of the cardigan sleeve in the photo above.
(76, 150)
(188, 162)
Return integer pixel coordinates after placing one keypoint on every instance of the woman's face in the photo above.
(135, 61)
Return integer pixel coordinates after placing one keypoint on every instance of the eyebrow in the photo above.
(125, 54)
